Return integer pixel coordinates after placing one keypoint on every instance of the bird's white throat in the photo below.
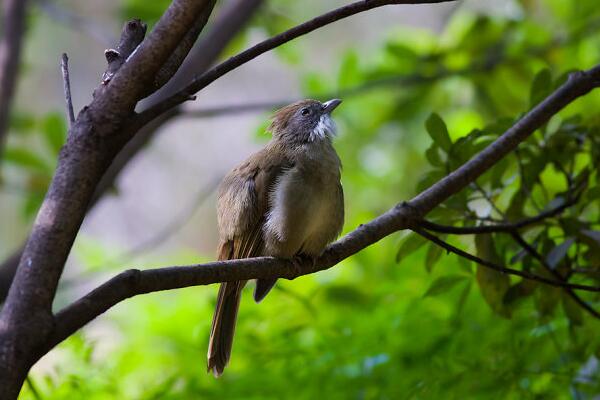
(325, 127)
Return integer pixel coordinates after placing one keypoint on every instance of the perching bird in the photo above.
(285, 200)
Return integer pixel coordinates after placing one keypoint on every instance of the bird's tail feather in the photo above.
(223, 326)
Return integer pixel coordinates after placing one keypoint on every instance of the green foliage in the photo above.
(428, 326)
(439, 132)
(31, 156)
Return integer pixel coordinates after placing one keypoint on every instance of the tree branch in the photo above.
(231, 19)
(99, 132)
(512, 229)
(234, 62)
(64, 66)
(500, 268)
(402, 216)
(533, 252)
(159, 50)
(400, 81)
(10, 56)
(131, 36)
(238, 10)
(93, 140)
(498, 227)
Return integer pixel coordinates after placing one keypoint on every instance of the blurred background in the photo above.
(398, 320)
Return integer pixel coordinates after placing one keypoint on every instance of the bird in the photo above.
(285, 200)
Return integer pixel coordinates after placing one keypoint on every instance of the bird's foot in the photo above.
(301, 259)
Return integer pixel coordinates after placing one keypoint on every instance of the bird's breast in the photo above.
(302, 206)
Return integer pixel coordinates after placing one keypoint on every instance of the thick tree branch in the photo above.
(402, 216)
(230, 20)
(132, 35)
(10, 55)
(172, 64)
(92, 143)
(234, 62)
(100, 131)
(140, 71)
(200, 58)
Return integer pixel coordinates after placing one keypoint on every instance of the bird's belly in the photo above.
(302, 216)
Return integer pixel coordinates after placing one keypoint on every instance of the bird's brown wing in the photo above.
(242, 204)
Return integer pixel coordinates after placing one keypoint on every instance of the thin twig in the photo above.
(234, 62)
(496, 267)
(487, 197)
(498, 227)
(64, 66)
(534, 253)
(399, 81)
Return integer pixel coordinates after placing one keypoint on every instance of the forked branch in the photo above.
(402, 216)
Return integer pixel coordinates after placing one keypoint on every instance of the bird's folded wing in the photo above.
(244, 201)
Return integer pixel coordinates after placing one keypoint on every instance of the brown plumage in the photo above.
(283, 201)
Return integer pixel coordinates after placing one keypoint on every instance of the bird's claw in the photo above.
(299, 260)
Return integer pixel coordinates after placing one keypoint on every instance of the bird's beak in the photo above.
(330, 105)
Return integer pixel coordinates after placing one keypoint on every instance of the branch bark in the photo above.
(402, 216)
(10, 56)
(203, 54)
(100, 131)
(27, 326)
(236, 61)
(64, 66)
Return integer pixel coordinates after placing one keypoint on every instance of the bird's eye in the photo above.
(305, 111)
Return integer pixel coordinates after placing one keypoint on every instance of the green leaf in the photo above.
(546, 299)
(518, 292)
(541, 87)
(430, 178)
(572, 310)
(432, 257)
(557, 254)
(25, 158)
(55, 131)
(436, 127)
(412, 243)
(444, 284)
(492, 284)
(433, 156)
(465, 265)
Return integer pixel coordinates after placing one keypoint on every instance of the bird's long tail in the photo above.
(223, 326)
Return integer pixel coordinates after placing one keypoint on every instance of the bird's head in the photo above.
(305, 121)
